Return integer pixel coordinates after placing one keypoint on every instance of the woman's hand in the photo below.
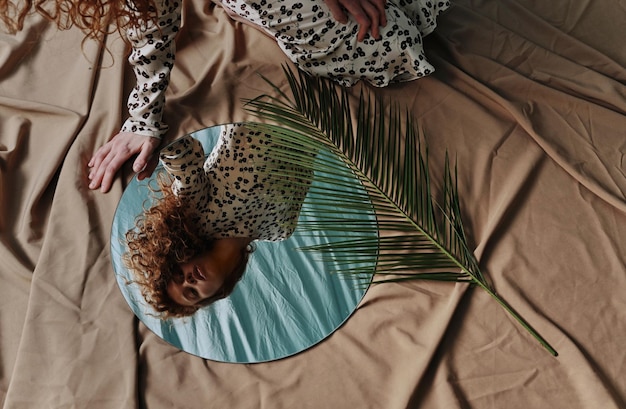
(369, 14)
(109, 158)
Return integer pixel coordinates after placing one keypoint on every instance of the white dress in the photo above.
(308, 35)
(230, 194)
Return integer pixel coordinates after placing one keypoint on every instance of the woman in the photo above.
(191, 247)
(346, 40)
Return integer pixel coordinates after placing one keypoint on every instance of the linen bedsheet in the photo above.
(528, 96)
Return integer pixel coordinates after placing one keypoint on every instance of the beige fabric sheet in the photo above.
(529, 96)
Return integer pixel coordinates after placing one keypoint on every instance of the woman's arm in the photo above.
(152, 60)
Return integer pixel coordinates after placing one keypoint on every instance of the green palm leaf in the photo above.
(413, 236)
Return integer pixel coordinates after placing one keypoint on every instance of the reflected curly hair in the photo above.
(94, 17)
(164, 236)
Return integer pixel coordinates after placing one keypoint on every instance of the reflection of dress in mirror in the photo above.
(191, 247)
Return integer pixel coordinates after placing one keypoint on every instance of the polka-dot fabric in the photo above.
(232, 193)
(152, 59)
(311, 38)
(305, 31)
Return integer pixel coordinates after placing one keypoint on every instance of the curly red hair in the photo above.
(165, 236)
(162, 238)
(94, 17)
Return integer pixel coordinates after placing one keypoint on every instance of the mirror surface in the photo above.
(287, 301)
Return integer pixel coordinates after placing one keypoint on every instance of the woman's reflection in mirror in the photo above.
(191, 246)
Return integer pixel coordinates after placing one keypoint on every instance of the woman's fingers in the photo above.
(369, 15)
(337, 11)
(374, 21)
(142, 159)
(110, 158)
(380, 6)
(146, 162)
(150, 167)
(109, 171)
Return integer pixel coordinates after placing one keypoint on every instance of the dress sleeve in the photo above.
(184, 161)
(152, 59)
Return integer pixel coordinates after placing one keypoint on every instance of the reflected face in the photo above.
(205, 275)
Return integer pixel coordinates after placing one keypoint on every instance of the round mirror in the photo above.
(287, 301)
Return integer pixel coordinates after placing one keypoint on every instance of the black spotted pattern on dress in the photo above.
(231, 194)
(308, 35)
(311, 38)
(152, 59)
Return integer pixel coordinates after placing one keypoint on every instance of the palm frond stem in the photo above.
(319, 119)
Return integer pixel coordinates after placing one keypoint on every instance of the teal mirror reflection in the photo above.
(287, 301)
